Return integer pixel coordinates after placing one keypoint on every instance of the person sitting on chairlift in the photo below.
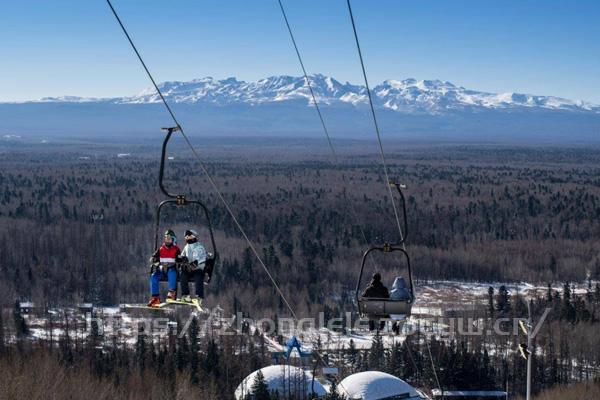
(399, 291)
(376, 290)
(164, 262)
(192, 267)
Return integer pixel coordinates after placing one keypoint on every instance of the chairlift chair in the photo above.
(182, 200)
(378, 308)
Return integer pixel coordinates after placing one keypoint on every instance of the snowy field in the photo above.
(435, 299)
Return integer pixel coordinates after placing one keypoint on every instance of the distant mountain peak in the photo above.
(431, 96)
(278, 105)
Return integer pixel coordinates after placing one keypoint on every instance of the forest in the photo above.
(210, 366)
(82, 229)
(77, 226)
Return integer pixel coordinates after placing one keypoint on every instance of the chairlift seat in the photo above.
(209, 265)
(375, 308)
(181, 200)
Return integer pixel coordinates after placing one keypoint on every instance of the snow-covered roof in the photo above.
(375, 385)
(285, 379)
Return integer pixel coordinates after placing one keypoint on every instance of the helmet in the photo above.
(171, 234)
(191, 232)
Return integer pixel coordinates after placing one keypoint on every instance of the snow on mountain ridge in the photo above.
(408, 95)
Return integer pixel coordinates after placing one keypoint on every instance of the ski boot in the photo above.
(186, 299)
(154, 302)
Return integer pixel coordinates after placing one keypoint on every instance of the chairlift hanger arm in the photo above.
(399, 188)
(161, 173)
(179, 199)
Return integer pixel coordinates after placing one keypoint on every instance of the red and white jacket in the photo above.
(167, 255)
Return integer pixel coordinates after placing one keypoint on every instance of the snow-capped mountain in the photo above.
(281, 106)
(267, 90)
(409, 95)
(437, 96)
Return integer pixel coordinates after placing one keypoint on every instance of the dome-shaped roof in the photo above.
(286, 380)
(375, 385)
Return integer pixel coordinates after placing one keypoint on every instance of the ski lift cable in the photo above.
(325, 130)
(321, 119)
(329, 141)
(201, 163)
(377, 131)
(334, 155)
(353, 210)
(382, 153)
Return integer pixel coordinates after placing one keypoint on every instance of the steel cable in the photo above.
(201, 163)
(382, 153)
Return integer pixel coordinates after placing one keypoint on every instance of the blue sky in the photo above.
(60, 47)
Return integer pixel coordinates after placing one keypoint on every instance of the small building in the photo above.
(26, 307)
(85, 307)
(468, 394)
(330, 372)
(376, 385)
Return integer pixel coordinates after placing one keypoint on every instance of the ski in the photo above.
(194, 303)
(198, 304)
(160, 306)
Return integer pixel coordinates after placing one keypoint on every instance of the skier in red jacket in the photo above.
(164, 261)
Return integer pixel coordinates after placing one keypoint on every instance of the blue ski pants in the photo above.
(158, 275)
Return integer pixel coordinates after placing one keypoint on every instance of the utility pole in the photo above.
(528, 397)
(525, 349)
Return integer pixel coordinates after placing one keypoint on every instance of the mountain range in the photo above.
(280, 105)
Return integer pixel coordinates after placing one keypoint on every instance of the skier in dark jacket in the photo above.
(376, 289)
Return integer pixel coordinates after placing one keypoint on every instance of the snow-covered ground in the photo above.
(434, 295)
(435, 299)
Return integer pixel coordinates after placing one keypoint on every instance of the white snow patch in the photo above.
(283, 379)
(375, 385)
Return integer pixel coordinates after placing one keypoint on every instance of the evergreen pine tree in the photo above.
(260, 389)
(211, 361)
(376, 354)
(567, 310)
(247, 264)
(491, 301)
(141, 350)
(333, 393)
(19, 320)
(352, 355)
(395, 365)
(182, 354)
(2, 343)
(503, 300)
(194, 350)
(549, 293)
(553, 264)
